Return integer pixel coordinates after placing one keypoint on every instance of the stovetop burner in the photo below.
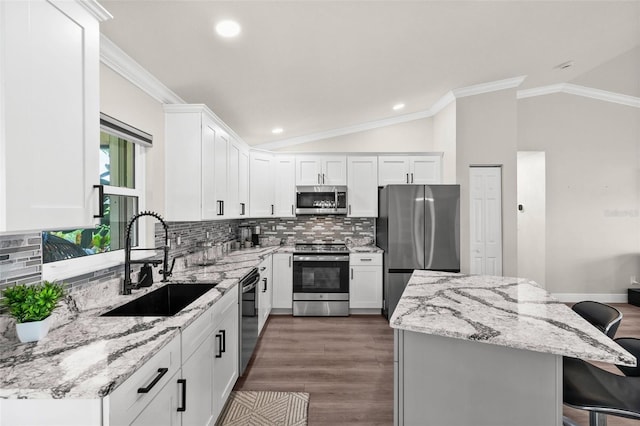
(321, 248)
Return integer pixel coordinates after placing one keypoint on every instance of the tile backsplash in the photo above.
(20, 259)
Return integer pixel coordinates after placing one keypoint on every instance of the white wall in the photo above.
(444, 140)
(593, 176)
(122, 100)
(532, 217)
(412, 136)
(486, 134)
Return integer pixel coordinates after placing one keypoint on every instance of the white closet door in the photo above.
(486, 220)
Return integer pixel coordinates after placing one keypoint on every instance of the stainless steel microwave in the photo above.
(321, 199)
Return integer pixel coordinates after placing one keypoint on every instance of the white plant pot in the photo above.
(33, 331)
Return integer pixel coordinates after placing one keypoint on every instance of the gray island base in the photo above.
(486, 351)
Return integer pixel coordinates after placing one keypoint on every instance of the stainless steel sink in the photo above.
(163, 302)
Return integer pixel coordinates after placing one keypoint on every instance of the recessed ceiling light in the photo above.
(277, 130)
(398, 107)
(228, 28)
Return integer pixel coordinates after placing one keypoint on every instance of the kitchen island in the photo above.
(484, 350)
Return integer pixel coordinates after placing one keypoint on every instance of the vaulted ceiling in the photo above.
(314, 66)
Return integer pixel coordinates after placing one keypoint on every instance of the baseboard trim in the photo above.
(596, 297)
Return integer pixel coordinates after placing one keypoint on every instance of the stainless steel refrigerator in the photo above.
(418, 227)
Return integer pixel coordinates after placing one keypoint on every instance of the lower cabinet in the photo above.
(365, 286)
(264, 293)
(283, 281)
(198, 388)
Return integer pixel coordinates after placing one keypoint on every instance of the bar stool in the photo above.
(604, 317)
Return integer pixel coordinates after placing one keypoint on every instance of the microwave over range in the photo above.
(323, 199)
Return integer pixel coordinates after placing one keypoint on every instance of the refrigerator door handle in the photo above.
(430, 227)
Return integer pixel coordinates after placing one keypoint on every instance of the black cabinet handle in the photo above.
(100, 201)
(411, 177)
(291, 209)
(222, 202)
(241, 209)
(161, 372)
(349, 209)
(224, 341)
(183, 382)
(264, 289)
(351, 273)
(220, 207)
(219, 339)
(407, 177)
(273, 210)
(323, 178)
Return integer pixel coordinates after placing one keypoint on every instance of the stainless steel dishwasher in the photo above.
(248, 317)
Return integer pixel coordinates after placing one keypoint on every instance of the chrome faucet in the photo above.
(127, 285)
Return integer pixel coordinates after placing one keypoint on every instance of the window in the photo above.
(121, 174)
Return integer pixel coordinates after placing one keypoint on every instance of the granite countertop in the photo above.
(365, 249)
(512, 312)
(87, 356)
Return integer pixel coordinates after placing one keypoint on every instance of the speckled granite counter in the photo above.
(87, 356)
(511, 312)
(365, 249)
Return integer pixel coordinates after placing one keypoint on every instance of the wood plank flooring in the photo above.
(346, 365)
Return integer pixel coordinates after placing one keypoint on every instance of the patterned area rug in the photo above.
(249, 408)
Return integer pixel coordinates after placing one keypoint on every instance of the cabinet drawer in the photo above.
(221, 306)
(197, 331)
(126, 402)
(365, 259)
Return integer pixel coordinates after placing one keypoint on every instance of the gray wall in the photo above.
(592, 163)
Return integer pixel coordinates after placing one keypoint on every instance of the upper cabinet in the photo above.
(321, 170)
(49, 114)
(362, 186)
(261, 187)
(197, 156)
(409, 169)
(238, 181)
(285, 185)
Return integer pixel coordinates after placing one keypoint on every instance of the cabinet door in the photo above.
(308, 170)
(261, 190)
(232, 204)
(393, 170)
(334, 170)
(285, 186)
(197, 371)
(362, 186)
(49, 92)
(264, 293)
(365, 290)
(243, 183)
(221, 158)
(163, 409)
(425, 169)
(226, 357)
(208, 167)
(282, 281)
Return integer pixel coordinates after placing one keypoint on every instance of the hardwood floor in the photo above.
(346, 365)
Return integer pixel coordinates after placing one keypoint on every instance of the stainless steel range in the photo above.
(321, 280)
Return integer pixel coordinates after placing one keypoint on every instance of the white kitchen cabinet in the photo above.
(163, 409)
(285, 185)
(321, 170)
(261, 187)
(197, 384)
(365, 287)
(243, 182)
(409, 169)
(49, 114)
(226, 350)
(264, 292)
(196, 151)
(362, 186)
(233, 208)
(282, 281)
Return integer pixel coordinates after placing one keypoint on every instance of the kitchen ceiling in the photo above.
(315, 66)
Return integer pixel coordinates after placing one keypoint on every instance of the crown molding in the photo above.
(587, 92)
(96, 9)
(116, 59)
(492, 86)
(443, 102)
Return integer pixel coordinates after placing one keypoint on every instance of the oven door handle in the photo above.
(321, 258)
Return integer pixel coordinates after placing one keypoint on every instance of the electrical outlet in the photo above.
(632, 280)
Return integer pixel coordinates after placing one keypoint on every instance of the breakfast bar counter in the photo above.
(486, 350)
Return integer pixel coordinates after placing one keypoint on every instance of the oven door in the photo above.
(320, 273)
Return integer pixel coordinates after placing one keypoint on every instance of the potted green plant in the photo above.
(31, 306)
